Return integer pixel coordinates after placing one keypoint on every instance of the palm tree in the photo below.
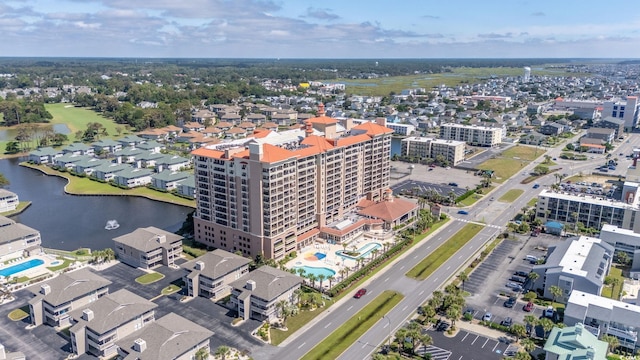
(401, 336)
(547, 325)
(611, 341)
(522, 355)
(330, 278)
(453, 314)
(533, 276)
(321, 278)
(375, 252)
(313, 279)
(437, 298)
(528, 344)
(519, 331)
(463, 277)
(556, 291)
(222, 351)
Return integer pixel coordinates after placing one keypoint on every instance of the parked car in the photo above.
(518, 279)
(548, 312)
(528, 307)
(469, 311)
(453, 184)
(510, 302)
(521, 273)
(507, 322)
(535, 186)
(487, 317)
(360, 293)
(463, 212)
(443, 326)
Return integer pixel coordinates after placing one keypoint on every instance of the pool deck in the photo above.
(49, 260)
(332, 261)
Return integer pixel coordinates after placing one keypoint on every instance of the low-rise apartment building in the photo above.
(604, 316)
(171, 337)
(626, 241)
(148, 248)
(575, 264)
(451, 151)
(8, 201)
(98, 326)
(17, 240)
(574, 343)
(472, 134)
(256, 294)
(590, 210)
(210, 274)
(54, 299)
(606, 135)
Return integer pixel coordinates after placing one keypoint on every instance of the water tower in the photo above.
(527, 74)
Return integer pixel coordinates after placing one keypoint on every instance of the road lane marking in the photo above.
(365, 345)
(350, 307)
(436, 279)
(402, 267)
(474, 340)
(387, 279)
(460, 257)
(301, 345)
(405, 307)
(385, 325)
(326, 326)
(485, 343)
(421, 292)
(415, 257)
(448, 267)
(428, 247)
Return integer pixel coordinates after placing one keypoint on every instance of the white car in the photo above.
(487, 317)
(548, 312)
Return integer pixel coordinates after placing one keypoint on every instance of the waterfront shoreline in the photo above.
(70, 178)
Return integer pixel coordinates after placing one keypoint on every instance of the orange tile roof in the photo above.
(247, 124)
(270, 125)
(389, 210)
(236, 130)
(172, 128)
(203, 151)
(365, 203)
(260, 133)
(323, 120)
(317, 141)
(307, 234)
(373, 129)
(350, 140)
(224, 124)
(271, 153)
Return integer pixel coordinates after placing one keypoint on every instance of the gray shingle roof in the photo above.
(15, 231)
(45, 151)
(217, 263)
(134, 173)
(71, 285)
(168, 175)
(113, 310)
(166, 339)
(270, 282)
(147, 239)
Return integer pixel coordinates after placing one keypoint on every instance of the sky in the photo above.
(320, 29)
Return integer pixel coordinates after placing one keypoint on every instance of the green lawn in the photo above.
(511, 161)
(532, 202)
(21, 206)
(429, 264)
(149, 278)
(19, 314)
(170, 289)
(347, 334)
(511, 195)
(85, 186)
(607, 290)
(64, 265)
(77, 118)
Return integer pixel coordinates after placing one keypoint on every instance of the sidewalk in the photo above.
(482, 330)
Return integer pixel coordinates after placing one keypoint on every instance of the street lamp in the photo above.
(389, 320)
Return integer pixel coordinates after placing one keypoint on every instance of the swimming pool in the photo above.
(308, 270)
(21, 267)
(364, 251)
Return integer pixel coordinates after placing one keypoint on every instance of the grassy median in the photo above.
(432, 262)
(149, 278)
(347, 334)
(511, 195)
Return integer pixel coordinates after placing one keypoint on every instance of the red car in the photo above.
(360, 293)
(528, 307)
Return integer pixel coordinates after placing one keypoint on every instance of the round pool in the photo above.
(308, 270)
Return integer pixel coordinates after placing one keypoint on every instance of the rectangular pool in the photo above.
(21, 267)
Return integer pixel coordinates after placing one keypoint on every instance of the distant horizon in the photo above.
(301, 29)
(319, 58)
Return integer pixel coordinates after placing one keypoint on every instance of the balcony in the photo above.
(628, 335)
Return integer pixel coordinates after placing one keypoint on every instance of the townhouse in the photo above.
(148, 248)
(17, 240)
(210, 274)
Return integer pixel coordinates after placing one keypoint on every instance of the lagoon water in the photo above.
(68, 222)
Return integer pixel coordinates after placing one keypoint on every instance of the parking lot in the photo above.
(401, 172)
(44, 342)
(416, 188)
(465, 345)
(490, 278)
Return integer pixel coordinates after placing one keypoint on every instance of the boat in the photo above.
(112, 225)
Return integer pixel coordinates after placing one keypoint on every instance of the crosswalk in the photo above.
(479, 223)
(435, 352)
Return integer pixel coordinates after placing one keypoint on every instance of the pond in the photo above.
(7, 134)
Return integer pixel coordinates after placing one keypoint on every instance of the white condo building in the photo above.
(473, 134)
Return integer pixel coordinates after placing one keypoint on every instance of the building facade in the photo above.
(472, 134)
(575, 264)
(148, 248)
(626, 241)
(210, 274)
(625, 110)
(603, 316)
(8, 201)
(16, 239)
(54, 299)
(451, 151)
(261, 195)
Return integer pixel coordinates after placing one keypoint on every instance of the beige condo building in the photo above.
(273, 193)
(472, 134)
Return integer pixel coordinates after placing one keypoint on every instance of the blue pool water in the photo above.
(317, 271)
(21, 267)
(364, 251)
(320, 255)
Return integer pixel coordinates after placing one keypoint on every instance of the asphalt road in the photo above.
(493, 213)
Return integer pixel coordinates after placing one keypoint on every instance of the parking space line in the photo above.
(474, 340)
(485, 343)
(464, 337)
(494, 348)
